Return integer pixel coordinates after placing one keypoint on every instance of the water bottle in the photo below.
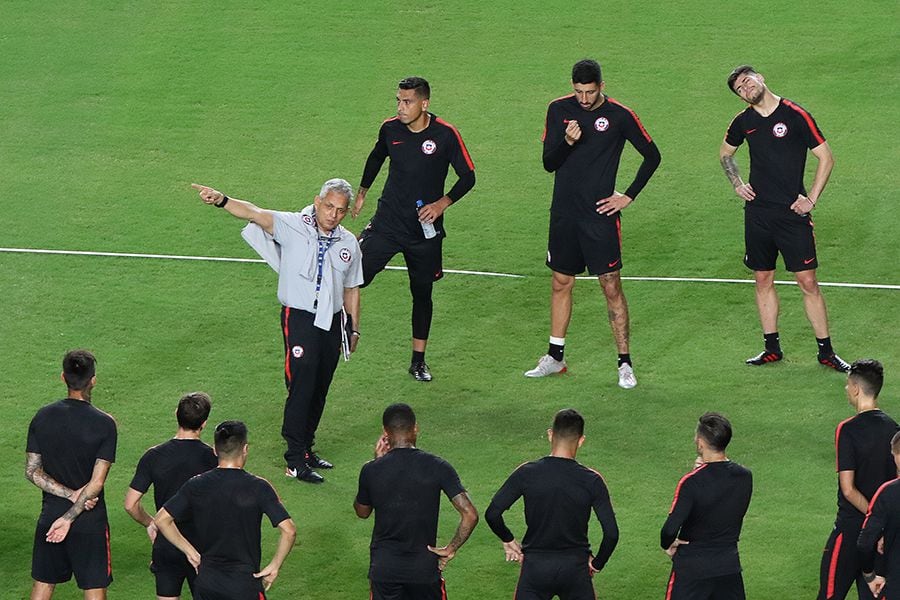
(427, 228)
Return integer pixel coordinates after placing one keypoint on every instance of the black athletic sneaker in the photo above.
(419, 371)
(317, 462)
(835, 362)
(304, 473)
(765, 357)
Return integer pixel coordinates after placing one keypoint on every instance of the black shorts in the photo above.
(215, 584)
(574, 244)
(423, 258)
(724, 587)
(171, 569)
(381, 590)
(544, 576)
(768, 232)
(86, 555)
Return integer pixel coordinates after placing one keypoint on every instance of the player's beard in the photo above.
(758, 97)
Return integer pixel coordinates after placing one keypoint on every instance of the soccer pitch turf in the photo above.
(109, 110)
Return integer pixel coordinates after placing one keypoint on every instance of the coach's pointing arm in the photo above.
(239, 208)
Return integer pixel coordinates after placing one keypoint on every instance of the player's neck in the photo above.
(420, 124)
(187, 434)
(563, 451)
(403, 443)
(712, 457)
(79, 395)
(864, 404)
(768, 104)
(231, 464)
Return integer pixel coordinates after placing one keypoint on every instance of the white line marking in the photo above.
(876, 286)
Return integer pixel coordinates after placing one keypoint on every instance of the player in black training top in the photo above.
(421, 147)
(71, 446)
(883, 523)
(584, 136)
(167, 467)
(863, 448)
(704, 525)
(226, 506)
(556, 546)
(777, 206)
(403, 485)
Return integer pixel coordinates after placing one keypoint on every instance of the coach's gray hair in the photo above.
(341, 186)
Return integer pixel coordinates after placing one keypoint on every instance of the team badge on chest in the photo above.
(429, 146)
(345, 254)
(601, 124)
(297, 351)
(779, 130)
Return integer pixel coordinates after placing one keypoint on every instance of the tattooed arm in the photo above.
(34, 472)
(726, 159)
(467, 522)
(90, 492)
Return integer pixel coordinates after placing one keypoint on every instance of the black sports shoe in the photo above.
(419, 370)
(304, 473)
(835, 362)
(315, 461)
(765, 357)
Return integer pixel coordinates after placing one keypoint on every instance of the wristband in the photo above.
(224, 201)
(869, 577)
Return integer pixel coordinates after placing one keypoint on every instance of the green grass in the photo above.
(108, 110)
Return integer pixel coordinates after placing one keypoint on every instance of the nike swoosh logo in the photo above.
(748, 132)
(395, 143)
(614, 263)
(809, 260)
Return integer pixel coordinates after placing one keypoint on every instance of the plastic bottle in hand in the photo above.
(427, 228)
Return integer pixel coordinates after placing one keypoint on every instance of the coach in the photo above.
(319, 273)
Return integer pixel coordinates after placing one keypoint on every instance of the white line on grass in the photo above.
(877, 286)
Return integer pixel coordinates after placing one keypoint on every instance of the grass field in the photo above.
(108, 110)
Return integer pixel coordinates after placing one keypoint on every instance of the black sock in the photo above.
(773, 343)
(418, 357)
(556, 351)
(624, 358)
(825, 348)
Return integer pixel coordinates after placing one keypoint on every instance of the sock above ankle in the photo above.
(825, 348)
(418, 357)
(772, 341)
(624, 358)
(557, 351)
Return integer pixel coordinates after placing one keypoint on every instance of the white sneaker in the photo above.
(626, 377)
(547, 365)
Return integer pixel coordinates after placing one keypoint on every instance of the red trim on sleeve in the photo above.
(874, 498)
(389, 119)
(459, 139)
(634, 116)
(681, 482)
(837, 435)
(806, 117)
(544, 135)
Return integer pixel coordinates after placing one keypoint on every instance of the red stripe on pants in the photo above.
(832, 568)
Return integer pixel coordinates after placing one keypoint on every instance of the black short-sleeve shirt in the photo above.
(404, 487)
(778, 147)
(418, 171)
(226, 507)
(588, 169)
(863, 445)
(882, 521)
(71, 435)
(167, 467)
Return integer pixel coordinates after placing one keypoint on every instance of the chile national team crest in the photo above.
(779, 130)
(601, 124)
(345, 254)
(297, 351)
(429, 146)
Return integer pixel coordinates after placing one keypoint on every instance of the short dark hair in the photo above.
(79, 367)
(868, 373)
(587, 71)
(715, 430)
(737, 72)
(193, 410)
(230, 437)
(568, 424)
(895, 443)
(399, 417)
(421, 87)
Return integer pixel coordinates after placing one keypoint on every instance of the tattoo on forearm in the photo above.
(462, 503)
(731, 170)
(34, 471)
